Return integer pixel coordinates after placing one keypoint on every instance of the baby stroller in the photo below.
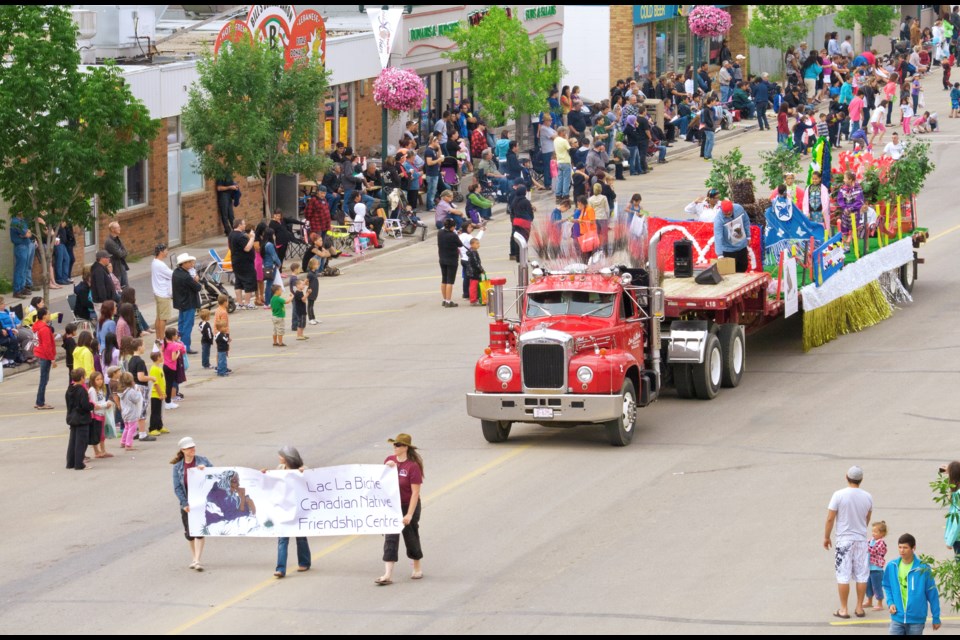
(408, 222)
(211, 287)
(450, 176)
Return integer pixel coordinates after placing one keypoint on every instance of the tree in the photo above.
(249, 114)
(777, 163)
(726, 171)
(66, 136)
(945, 572)
(780, 25)
(507, 70)
(874, 20)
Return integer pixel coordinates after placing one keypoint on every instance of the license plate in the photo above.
(545, 413)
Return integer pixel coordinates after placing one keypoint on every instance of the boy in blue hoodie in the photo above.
(909, 586)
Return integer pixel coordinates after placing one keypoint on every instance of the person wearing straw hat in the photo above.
(290, 460)
(186, 297)
(409, 465)
(185, 460)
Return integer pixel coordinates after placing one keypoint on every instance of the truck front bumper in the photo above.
(544, 408)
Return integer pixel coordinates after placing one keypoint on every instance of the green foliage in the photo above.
(908, 174)
(5, 285)
(248, 115)
(507, 72)
(780, 25)
(874, 20)
(775, 164)
(726, 170)
(945, 572)
(873, 189)
(65, 135)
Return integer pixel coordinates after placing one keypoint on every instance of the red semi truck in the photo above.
(592, 348)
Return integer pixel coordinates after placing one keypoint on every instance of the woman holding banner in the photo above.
(185, 460)
(290, 460)
(409, 466)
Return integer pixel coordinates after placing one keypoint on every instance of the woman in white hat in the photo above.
(290, 460)
(186, 297)
(186, 459)
(409, 465)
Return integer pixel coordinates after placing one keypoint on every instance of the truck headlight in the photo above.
(585, 375)
(504, 373)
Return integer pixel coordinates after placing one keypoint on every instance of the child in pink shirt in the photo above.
(173, 351)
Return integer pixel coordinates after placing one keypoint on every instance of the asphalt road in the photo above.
(710, 522)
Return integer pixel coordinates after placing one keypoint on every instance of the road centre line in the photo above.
(342, 543)
(263, 318)
(943, 233)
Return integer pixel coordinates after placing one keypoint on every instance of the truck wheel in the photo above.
(707, 375)
(683, 380)
(906, 276)
(734, 349)
(495, 430)
(620, 431)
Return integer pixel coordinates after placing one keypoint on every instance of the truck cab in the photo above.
(584, 350)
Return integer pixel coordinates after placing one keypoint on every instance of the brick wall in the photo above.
(621, 42)
(201, 219)
(368, 121)
(735, 40)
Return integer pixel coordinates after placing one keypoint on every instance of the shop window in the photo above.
(173, 130)
(135, 184)
(190, 178)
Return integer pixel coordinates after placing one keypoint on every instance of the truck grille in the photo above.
(543, 366)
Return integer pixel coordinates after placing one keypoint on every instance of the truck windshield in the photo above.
(574, 303)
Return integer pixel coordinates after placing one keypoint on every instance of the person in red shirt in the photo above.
(409, 466)
(478, 141)
(317, 213)
(46, 354)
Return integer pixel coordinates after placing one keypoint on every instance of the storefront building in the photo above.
(663, 42)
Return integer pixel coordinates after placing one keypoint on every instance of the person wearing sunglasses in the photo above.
(409, 465)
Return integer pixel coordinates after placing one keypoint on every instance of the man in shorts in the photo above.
(850, 509)
(161, 278)
(240, 242)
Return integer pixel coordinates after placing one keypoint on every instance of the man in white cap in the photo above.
(186, 297)
(850, 509)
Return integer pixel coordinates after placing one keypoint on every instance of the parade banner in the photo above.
(385, 24)
(331, 501)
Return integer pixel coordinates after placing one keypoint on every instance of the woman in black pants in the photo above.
(79, 411)
(448, 245)
(409, 465)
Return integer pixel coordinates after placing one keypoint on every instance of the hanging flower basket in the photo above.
(398, 90)
(707, 21)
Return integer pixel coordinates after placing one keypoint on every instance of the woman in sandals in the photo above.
(409, 465)
(185, 460)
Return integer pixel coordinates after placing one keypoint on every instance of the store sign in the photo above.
(544, 11)
(302, 36)
(476, 17)
(308, 38)
(434, 31)
(233, 32)
(643, 13)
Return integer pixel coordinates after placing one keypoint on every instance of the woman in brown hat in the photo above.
(409, 467)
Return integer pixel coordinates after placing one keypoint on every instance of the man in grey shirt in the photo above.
(547, 133)
(597, 158)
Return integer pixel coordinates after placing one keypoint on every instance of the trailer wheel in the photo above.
(734, 348)
(906, 276)
(495, 430)
(683, 380)
(620, 431)
(708, 375)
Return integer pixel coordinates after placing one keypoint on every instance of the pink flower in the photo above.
(398, 90)
(708, 21)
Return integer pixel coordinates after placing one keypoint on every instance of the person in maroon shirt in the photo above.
(317, 213)
(409, 466)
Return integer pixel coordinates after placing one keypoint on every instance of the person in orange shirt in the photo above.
(585, 225)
